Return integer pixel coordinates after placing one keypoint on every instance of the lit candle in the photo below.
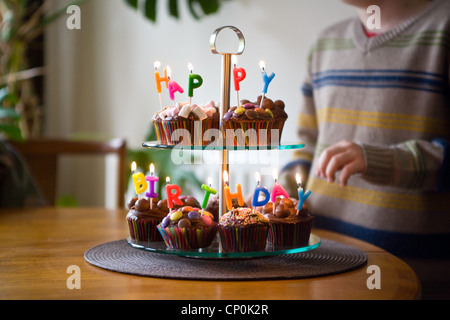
(239, 75)
(256, 202)
(195, 82)
(277, 190)
(138, 179)
(159, 80)
(302, 196)
(209, 191)
(173, 197)
(173, 87)
(152, 180)
(266, 79)
(230, 196)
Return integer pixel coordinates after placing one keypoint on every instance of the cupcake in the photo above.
(188, 228)
(194, 122)
(142, 220)
(242, 230)
(288, 227)
(252, 123)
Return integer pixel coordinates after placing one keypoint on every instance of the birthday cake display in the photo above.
(181, 222)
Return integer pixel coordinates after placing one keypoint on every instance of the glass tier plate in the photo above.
(284, 146)
(215, 251)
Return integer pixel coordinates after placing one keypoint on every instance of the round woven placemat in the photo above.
(330, 258)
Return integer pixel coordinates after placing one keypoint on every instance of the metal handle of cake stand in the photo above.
(225, 103)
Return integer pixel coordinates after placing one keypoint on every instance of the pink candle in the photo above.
(277, 190)
(173, 86)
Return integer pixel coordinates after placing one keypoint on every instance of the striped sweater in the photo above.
(390, 94)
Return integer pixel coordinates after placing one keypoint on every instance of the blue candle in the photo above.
(266, 79)
(258, 190)
(302, 196)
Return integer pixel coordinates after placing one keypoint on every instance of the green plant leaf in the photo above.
(150, 9)
(209, 6)
(11, 131)
(133, 3)
(173, 8)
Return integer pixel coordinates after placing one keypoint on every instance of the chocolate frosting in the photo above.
(285, 211)
(140, 208)
(253, 111)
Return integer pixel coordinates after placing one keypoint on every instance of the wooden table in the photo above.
(37, 246)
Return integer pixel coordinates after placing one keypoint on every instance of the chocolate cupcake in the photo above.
(251, 123)
(142, 220)
(186, 124)
(188, 228)
(288, 227)
(243, 230)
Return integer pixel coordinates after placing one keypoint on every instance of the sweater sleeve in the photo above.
(415, 164)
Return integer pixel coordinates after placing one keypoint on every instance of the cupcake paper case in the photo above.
(242, 230)
(142, 220)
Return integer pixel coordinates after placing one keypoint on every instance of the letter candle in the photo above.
(256, 202)
(159, 80)
(152, 180)
(138, 179)
(230, 196)
(277, 190)
(208, 190)
(195, 81)
(173, 87)
(173, 197)
(266, 79)
(302, 196)
(239, 75)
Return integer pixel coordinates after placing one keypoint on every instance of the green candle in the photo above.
(208, 190)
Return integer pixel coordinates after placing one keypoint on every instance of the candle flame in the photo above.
(299, 179)
(258, 177)
(262, 65)
(169, 72)
(133, 166)
(234, 60)
(275, 174)
(168, 180)
(190, 67)
(157, 65)
(225, 177)
(152, 168)
(210, 180)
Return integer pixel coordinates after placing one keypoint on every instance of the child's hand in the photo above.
(346, 156)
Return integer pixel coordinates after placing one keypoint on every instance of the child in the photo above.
(376, 123)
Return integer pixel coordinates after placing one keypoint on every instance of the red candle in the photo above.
(239, 75)
(173, 197)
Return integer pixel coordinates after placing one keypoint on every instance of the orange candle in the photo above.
(230, 196)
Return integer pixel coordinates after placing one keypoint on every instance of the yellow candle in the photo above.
(139, 180)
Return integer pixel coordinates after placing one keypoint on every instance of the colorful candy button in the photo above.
(177, 215)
